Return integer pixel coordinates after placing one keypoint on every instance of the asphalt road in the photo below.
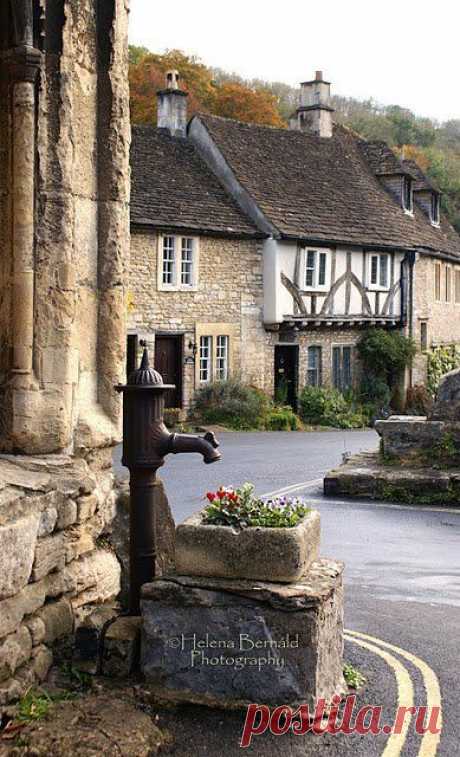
(402, 587)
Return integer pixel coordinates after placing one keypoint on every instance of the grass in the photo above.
(354, 679)
(35, 704)
(392, 493)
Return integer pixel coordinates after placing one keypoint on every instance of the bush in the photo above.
(441, 360)
(375, 390)
(385, 354)
(231, 404)
(321, 406)
(282, 419)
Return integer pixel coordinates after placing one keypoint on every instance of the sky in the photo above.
(398, 51)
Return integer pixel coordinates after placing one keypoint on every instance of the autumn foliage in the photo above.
(230, 99)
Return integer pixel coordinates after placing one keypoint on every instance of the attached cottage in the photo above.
(268, 251)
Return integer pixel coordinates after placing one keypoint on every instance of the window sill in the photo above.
(166, 288)
(377, 289)
(408, 212)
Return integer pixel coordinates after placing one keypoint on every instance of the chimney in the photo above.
(172, 106)
(314, 113)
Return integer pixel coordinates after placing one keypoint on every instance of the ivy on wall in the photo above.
(441, 360)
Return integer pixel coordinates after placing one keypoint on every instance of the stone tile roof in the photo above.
(173, 188)
(327, 190)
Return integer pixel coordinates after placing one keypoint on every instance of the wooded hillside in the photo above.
(434, 146)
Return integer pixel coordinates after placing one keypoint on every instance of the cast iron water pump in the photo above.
(146, 442)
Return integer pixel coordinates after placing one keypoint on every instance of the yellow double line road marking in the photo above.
(430, 741)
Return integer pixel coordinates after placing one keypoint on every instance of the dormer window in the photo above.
(435, 209)
(408, 203)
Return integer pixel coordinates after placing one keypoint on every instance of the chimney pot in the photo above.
(172, 106)
(319, 76)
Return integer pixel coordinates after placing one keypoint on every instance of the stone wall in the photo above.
(64, 220)
(54, 563)
(229, 297)
(442, 318)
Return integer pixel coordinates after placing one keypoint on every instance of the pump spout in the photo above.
(206, 445)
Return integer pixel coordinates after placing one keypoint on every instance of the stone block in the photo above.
(48, 520)
(266, 554)
(12, 610)
(79, 541)
(97, 578)
(67, 514)
(87, 506)
(121, 647)
(15, 650)
(447, 402)
(42, 659)
(227, 643)
(18, 541)
(37, 629)
(88, 634)
(407, 436)
(58, 620)
(49, 555)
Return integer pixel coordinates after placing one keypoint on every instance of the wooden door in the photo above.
(168, 362)
(286, 370)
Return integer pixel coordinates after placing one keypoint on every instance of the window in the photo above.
(435, 209)
(315, 269)
(437, 281)
(314, 366)
(448, 283)
(407, 194)
(423, 336)
(186, 262)
(222, 358)
(205, 358)
(379, 271)
(178, 263)
(168, 260)
(341, 368)
(457, 287)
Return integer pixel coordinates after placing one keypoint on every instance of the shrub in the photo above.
(327, 407)
(385, 353)
(375, 390)
(441, 360)
(282, 419)
(231, 404)
(239, 508)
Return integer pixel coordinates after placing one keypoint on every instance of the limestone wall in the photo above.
(229, 293)
(54, 565)
(442, 318)
(64, 219)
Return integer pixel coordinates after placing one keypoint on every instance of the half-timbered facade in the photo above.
(350, 237)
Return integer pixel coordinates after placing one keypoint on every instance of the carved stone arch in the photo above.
(295, 293)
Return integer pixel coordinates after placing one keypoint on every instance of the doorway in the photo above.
(168, 362)
(286, 373)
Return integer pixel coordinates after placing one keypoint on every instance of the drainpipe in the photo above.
(407, 299)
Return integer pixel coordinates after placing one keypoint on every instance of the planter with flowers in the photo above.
(240, 535)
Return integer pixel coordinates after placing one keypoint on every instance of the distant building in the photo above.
(265, 252)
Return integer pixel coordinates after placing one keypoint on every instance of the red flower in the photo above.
(211, 496)
(221, 494)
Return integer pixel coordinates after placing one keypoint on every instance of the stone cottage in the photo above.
(329, 235)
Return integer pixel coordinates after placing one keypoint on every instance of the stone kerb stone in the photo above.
(267, 554)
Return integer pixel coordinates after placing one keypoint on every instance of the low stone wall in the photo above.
(55, 563)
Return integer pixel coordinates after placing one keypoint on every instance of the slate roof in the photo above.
(318, 189)
(173, 188)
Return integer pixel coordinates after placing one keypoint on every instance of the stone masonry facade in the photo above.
(228, 300)
(54, 565)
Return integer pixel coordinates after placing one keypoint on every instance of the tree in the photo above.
(234, 100)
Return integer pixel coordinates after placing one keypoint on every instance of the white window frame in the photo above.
(319, 368)
(316, 285)
(222, 354)
(180, 242)
(205, 358)
(378, 286)
(409, 209)
(437, 282)
(435, 209)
